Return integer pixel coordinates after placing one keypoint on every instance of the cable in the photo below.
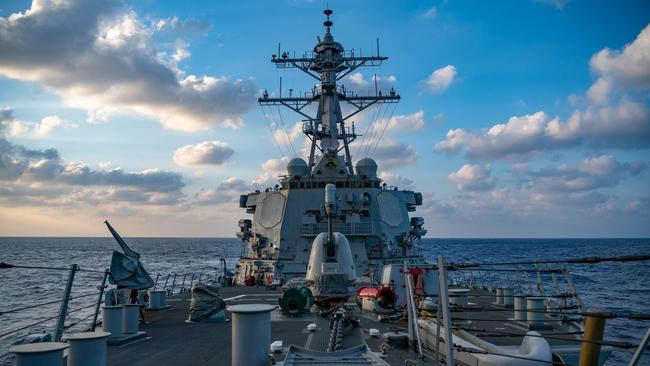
(28, 326)
(361, 142)
(286, 132)
(4, 265)
(268, 125)
(384, 130)
(29, 307)
(373, 132)
(626, 258)
(78, 321)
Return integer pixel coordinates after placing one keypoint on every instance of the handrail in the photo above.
(43, 321)
(43, 304)
(4, 265)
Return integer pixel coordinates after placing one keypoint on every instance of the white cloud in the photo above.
(286, 137)
(440, 79)
(430, 13)
(591, 174)
(9, 124)
(99, 55)
(357, 82)
(406, 123)
(472, 178)
(626, 125)
(15, 127)
(629, 68)
(272, 169)
(41, 178)
(206, 153)
(390, 154)
(396, 180)
(615, 114)
(228, 191)
(49, 123)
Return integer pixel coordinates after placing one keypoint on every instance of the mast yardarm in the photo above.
(328, 63)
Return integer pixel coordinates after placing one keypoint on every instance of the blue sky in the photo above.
(518, 118)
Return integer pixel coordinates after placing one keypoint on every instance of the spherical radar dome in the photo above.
(297, 167)
(367, 167)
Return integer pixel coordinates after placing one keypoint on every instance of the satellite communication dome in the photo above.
(297, 167)
(367, 167)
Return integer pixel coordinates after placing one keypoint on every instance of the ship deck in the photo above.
(172, 341)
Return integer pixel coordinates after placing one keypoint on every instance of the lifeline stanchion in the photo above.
(99, 300)
(63, 310)
(446, 314)
(639, 350)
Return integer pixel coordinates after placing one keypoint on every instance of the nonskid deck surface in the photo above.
(171, 341)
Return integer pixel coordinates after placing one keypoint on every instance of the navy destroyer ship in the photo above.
(287, 218)
(332, 274)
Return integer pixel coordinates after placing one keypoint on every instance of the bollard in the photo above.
(130, 318)
(458, 296)
(520, 308)
(87, 348)
(39, 354)
(535, 307)
(251, 333)
(163, 299)
(156, 299)
(500, 296)
(508, 300)
(113, 321)
(594, 330)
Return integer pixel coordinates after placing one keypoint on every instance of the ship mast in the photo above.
(328, 63)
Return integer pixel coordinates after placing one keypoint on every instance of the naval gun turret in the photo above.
(331, 271)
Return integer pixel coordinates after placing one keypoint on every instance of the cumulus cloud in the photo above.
(440, 79)
(272, 169)
(626, 125)
(390, 154)
(406, 123)
(627, 68)
(472, 178)
(357, 82)
(395, 180)
(591, 174)
(206, 153)
(41, 177)
(288, 136)
(606, 122)
(14, 127)
(228, 190)
(100, 54)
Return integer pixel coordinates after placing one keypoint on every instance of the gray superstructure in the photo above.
(288, 217)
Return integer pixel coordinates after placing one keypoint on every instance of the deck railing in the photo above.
(73, 313)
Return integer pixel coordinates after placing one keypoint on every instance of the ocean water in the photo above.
(607, 286)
